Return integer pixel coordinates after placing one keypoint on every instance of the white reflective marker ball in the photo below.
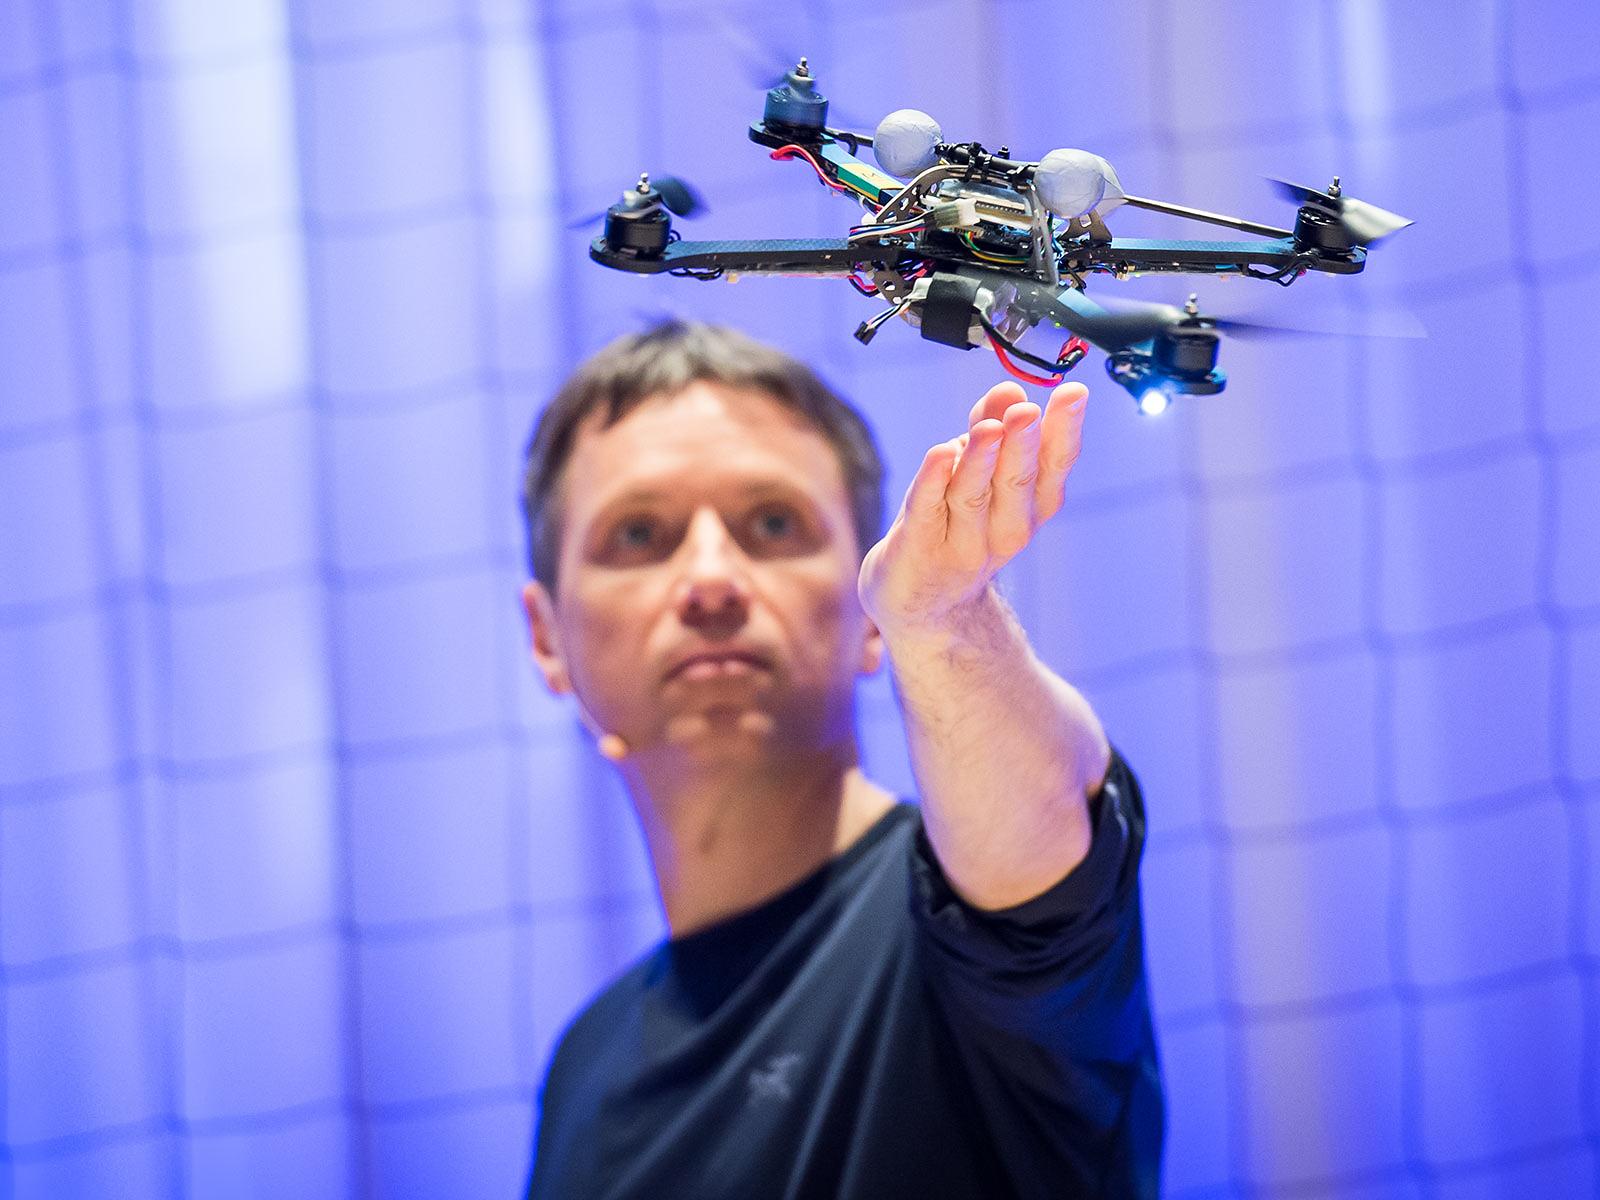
(904, 140)
(1070, 182)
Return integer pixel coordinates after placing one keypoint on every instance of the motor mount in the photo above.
(795, 104)
(1187, 350)
(1321, 229)
(638, 225)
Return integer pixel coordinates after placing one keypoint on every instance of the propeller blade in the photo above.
(763, 65)
(1128, 328)
(1394, 323)
(681, 199)
(1298, 193)
(1368, 222)
(764, 61)
(677, 196)
(1115, 324)
(1365, 223)
(1390, 322)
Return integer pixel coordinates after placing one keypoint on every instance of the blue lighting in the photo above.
(1154, 402)
(339, 341)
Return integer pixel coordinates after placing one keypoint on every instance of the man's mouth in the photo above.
(718, 664)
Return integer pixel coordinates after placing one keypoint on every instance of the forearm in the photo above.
(1005, 753)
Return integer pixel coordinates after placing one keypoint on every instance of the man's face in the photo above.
(707, 579)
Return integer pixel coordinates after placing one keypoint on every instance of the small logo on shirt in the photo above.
(774, 1081)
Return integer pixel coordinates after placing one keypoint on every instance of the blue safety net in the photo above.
(301, 872)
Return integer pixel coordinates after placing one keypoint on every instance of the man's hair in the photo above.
(662, 361)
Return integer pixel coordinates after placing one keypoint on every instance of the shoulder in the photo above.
(600, 1023)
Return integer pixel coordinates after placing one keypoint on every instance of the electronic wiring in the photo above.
(864, 232)
(1003, 259)
(1072, 353)
(871, 325)
(1017, 372)
(791, 150)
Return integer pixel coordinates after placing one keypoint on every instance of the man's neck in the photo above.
(724, 840)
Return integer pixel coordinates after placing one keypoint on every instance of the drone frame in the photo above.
(957, 278)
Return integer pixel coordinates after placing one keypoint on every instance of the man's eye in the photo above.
(774, 524)
(638, 534)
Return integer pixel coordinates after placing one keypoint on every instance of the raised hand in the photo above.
(973, 505)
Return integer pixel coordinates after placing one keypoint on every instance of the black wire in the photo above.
(1284, 275)
(872, 324)
(1011, 348)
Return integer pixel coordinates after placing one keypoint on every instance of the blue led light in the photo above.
(1154, 402)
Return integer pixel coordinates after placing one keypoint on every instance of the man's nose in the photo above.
(715, 588)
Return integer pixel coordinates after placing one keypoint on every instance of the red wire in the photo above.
(784, 152)
(1067, 347)
(1013, 369)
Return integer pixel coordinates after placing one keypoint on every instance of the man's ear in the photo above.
(871, 650)
(545, 638)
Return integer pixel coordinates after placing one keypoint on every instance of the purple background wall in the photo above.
(300, 873)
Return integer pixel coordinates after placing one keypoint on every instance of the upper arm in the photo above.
(1048, 1010)
(1064, 968)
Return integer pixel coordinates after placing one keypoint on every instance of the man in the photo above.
(857, 997)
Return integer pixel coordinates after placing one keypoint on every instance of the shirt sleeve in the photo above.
(1063, 930)
(1047, 1002)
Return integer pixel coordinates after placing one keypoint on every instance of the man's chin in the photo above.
(722, 731)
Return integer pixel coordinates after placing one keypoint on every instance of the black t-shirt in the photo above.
(867, 1033)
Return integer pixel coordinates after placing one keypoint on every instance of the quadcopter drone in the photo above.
(974, 248)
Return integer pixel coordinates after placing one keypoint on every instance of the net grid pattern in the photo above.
(301, 874)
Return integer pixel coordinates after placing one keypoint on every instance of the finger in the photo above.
(1060, 440)
(924, 505)
(993, 403)
(1016, 476)
(967, 497)
(960, 443)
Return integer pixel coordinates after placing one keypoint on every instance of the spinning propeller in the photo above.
(1357, 223)
(671, 192)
